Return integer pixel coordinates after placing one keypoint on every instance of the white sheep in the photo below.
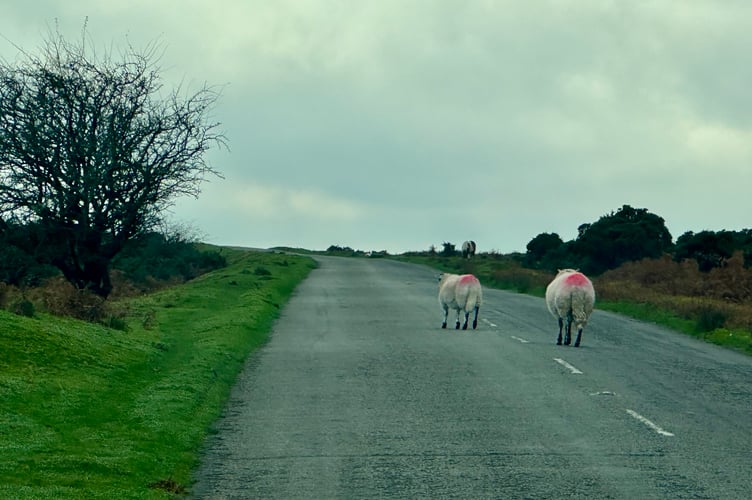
(570, 296)
(463, 294)
(468, 249)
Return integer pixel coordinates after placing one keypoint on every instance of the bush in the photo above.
(157, 258)
(21, 269)
(709, 319)
(448, 249)
(24, 308)
(262, 271)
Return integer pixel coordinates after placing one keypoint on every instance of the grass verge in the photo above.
(734, 338)
(93, 412)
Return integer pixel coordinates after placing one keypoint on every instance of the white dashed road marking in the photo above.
(488, 323)
(650, 424)
(569, 367)
(522, 341)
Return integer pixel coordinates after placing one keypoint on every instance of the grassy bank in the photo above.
(92, 412)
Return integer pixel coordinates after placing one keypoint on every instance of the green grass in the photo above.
(650, 313)
(737, 339)
(93, 412)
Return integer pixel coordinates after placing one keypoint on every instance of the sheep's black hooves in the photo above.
(457, 326)
(464, 327)
(475, 325)
(577, 344)
(558, 342)
(443, 325)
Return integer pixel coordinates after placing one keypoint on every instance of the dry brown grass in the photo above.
(58, 297)
(716, 299)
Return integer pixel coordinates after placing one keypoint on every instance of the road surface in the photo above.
(360, 394)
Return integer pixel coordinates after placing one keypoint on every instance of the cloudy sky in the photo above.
(401, 124)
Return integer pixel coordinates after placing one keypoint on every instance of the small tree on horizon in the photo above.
(629, 234)
(92, 154)
(448, 249)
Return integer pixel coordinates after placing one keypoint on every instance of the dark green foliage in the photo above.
(710, 318)
(712, 249)
(24, 308)
(448, 249)
(629, 234)
(20, 267)
(116, 323)
(155, 256)
(546, 251)
(261, 271)
(343, 251)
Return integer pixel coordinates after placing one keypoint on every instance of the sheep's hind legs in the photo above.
(579, 337)
(446, 313)
(475, 320)
(561, 325)
(464, 325)
(568, 333)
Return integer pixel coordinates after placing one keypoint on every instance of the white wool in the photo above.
(570, 303)
(463, 297)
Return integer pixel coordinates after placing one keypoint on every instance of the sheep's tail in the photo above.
(580, 307)
(474, 300)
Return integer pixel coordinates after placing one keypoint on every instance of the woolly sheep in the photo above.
(468, 249)
(570, 296)
(461, 293)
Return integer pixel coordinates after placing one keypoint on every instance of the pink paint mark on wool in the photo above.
(576, 279)
(467, 279)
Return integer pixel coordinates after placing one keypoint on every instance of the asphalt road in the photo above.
(360, 394)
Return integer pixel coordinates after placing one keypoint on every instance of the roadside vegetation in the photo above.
(700, 285)
(95, 410)
(662, 291)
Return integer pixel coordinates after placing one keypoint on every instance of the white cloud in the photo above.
(351, 122)
(278, 203)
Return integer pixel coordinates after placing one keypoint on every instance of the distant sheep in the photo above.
(570, 297)
(468, 249)
(461, 293)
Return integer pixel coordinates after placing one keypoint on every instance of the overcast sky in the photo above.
(401, 124)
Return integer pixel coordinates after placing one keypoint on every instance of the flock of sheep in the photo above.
(570, 298)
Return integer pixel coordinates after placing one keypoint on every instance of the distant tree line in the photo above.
(632, 234)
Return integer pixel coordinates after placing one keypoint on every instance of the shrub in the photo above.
(155, 258)
(24, 308)
(710, 318)
(448, 249)
(261, 271)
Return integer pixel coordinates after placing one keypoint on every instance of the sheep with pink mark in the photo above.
(570, 298)
(461, 293)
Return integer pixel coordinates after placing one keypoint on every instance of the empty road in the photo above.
(360, 394)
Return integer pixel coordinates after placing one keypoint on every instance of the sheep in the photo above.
(570, 296)
(468, 249)
(462, 293)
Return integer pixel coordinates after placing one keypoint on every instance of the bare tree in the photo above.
(91, 153)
